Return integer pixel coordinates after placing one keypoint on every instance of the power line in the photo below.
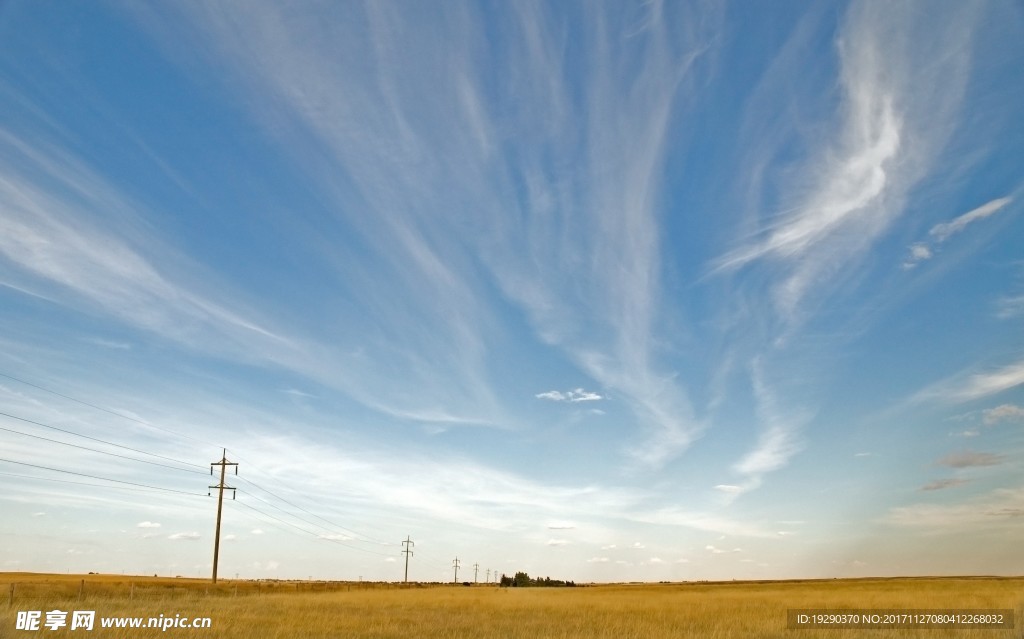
(119, 481)
(82, 483)
(310, 532)
(100, 408)
(290, 514)
(96, 439)
(308, 512)
(96, 450)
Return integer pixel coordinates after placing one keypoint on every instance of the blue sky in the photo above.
(602, 291)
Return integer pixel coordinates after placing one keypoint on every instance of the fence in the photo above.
(119, 589)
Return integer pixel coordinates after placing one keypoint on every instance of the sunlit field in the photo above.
(334, 609)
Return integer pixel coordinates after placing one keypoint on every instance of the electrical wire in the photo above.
(119, 481)
(102, 441)
(103, 452)
(100, 408)
(82, 483)
(293, 505)
(309, 532)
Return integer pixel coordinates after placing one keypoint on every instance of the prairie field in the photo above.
(285, 610)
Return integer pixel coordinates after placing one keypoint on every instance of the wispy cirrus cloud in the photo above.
(572, 179)
(899, 96)
(57, 234)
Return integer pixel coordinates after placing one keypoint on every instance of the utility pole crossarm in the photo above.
(221, 487)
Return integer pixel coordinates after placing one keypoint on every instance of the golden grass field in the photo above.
(299, 610)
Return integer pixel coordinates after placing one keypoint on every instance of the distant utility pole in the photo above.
(455, 564)
(488, 576)
(223, 463)
(476, 570)
(408, 545)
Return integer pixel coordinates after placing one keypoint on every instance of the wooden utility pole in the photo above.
(408, 551)
(223, 463)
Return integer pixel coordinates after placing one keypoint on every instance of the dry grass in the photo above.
(649, 611)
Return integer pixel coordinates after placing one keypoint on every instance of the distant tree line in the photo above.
(523, 580)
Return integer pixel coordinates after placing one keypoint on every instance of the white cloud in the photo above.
(941, 232)
(554, 396)
(335, 537)
(561, 526)
(256, 531)
(147, 524)
(729, 488)
(188, 536)
(655, 561)
(609, 547)
(961, 388)
(713, 549)
(229, 537)
(557, 542)
(918, 253)
(390, 560)
(575, 395)
(598, 560)
(1003, 413)
(39, 514)
(638, 546)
